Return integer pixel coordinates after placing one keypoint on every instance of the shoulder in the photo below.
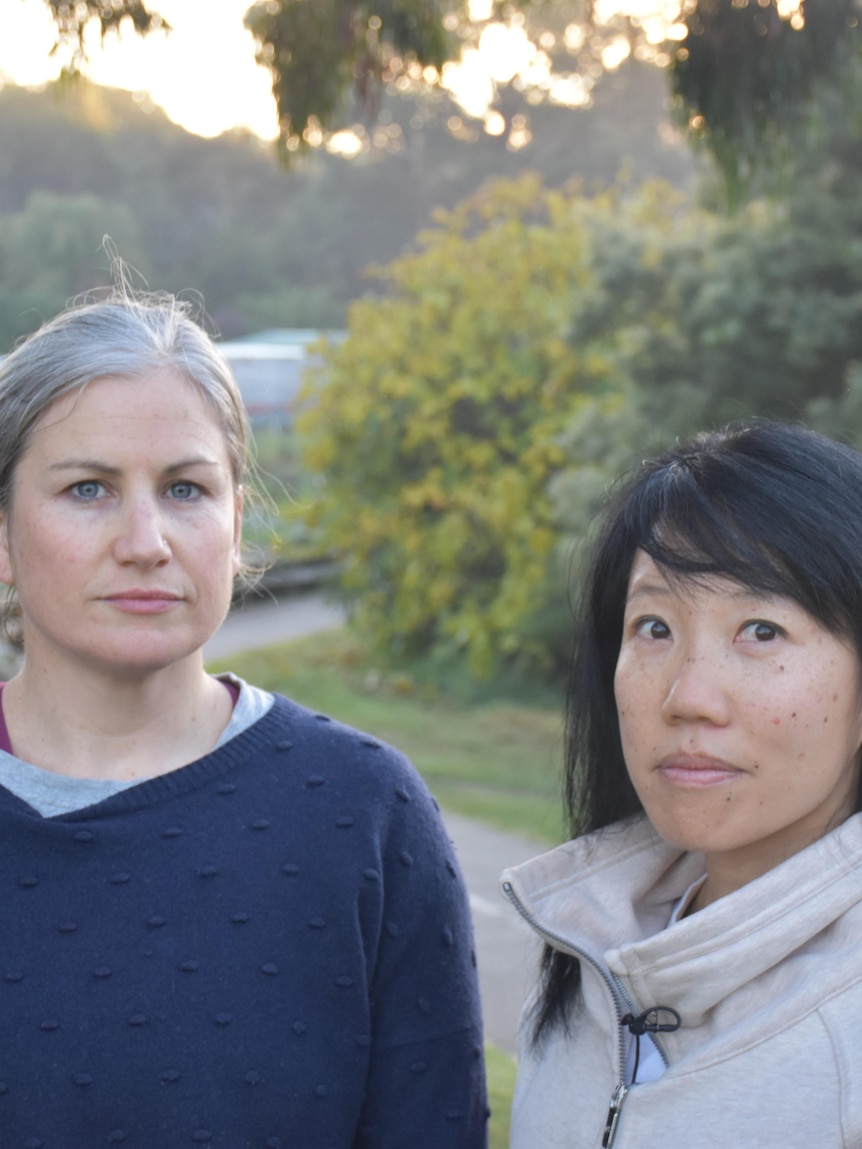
(350, 752)
(317, 764)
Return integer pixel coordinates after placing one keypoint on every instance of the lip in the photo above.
(697, 771)
(137, 600)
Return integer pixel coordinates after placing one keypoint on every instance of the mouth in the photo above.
(697, 771)
(139, 601)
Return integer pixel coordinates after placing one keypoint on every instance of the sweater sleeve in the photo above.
(426, 1083)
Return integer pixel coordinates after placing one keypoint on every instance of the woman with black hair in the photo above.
(701, 980)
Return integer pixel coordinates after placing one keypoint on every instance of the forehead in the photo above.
(647, 578)
(117, 412)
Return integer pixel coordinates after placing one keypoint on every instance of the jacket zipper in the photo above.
(618, 1097)
(616, 991)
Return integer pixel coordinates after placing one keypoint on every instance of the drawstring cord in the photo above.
(648, 1022)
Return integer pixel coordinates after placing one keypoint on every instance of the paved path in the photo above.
(505, 948)
(264, 622)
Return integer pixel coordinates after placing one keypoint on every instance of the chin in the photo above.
(142, 655)
(684, 835)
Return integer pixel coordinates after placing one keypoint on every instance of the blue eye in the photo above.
(183, 491)
(88, 489)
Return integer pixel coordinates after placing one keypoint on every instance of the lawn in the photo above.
(501, 1083)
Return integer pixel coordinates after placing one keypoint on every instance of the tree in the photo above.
(746, 75)
(437, 425)
(72, 20)
(47, 254)
(219, 217)
(743, 72)
(319, 51)
(467, 430)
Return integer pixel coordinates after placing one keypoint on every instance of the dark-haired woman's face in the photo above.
(740, 719)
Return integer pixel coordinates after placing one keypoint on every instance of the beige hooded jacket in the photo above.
(767, 981)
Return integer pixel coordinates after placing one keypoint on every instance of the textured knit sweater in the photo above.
(268, 948)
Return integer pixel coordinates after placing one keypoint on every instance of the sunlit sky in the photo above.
(204, 75)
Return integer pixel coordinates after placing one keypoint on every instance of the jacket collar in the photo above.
(610, 895)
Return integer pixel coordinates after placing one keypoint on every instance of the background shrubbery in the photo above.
(538, 343)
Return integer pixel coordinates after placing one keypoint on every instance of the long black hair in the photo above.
(772, 506)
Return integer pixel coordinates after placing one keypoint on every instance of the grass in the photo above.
(496, 760)
(501, 1084)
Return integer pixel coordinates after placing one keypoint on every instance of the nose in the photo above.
(141, 540)
(698, 691)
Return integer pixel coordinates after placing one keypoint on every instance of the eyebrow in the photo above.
(737, 591)
(648, 588)
(107, 469)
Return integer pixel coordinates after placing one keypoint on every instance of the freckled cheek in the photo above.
(782, 709)
(638, 703)
(784, 719)
(640, 751)
(795, 718)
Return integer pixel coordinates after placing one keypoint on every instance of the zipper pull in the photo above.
(620, 1094)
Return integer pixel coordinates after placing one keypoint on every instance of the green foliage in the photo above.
(308, 307)
(540, 344)
(219, 216)
(317, 50)
(746, 76)
(758, 314)
(271, 527)
(840, 417)
(49, 252)
(437, 427)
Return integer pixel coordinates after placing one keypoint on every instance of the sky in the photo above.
(207, 82)
(203, 73)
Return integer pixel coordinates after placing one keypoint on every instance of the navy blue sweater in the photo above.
(267, 948)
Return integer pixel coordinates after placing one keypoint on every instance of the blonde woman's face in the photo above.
(122, 537)
(740, 718)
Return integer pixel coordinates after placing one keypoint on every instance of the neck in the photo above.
(731, 870)
(94, 726)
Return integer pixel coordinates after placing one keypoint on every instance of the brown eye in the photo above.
(653, 628)
(763, 632)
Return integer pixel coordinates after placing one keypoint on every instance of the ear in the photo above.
(237, 530)
(6, 572)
